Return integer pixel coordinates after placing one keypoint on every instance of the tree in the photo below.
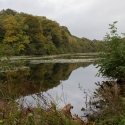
(7, 50)
(8, 12)
(2, 31)
(14, 34)
(34, 31)
(112, 56)
(52, 28)
(66, 29)
(12, 29)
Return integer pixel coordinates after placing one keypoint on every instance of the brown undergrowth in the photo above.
(15, 113)
(107, 105)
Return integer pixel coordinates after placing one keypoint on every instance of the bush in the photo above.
(112, 56)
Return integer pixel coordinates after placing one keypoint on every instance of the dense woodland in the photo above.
(25, 34)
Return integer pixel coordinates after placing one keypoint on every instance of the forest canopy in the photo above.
(25, 34)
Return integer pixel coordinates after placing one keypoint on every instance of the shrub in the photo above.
(112, 56)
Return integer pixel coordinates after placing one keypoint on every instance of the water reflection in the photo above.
(36, 78)
(57, 81)
(86, 78)
(68, 90)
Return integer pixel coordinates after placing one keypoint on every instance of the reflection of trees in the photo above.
(37, 78)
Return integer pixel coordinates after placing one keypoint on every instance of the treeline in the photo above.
(25, 34)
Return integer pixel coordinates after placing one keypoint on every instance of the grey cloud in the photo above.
(84, 18)
(94, 22)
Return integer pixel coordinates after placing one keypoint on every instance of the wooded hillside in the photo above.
(25, 34)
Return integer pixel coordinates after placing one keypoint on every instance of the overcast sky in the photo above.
(83, 18)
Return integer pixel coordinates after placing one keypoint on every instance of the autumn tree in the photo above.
(14, 34)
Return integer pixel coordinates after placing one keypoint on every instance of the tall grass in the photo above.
(45, 113)
(107, 104)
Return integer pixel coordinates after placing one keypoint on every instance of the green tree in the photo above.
(7, 50)
(2, 31)
(9, 12)
(112, 55)
(52, 28)
(34, 31)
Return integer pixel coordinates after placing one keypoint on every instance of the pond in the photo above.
(63, 79)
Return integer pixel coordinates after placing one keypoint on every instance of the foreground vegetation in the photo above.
(111, 93)
(10, 114)
(107, 105)
(112, 56)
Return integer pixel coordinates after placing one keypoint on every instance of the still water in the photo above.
(68, 90)
(60, 79)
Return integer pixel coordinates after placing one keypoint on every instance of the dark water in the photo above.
(54, 81)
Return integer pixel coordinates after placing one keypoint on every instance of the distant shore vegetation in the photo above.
(25, 34)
